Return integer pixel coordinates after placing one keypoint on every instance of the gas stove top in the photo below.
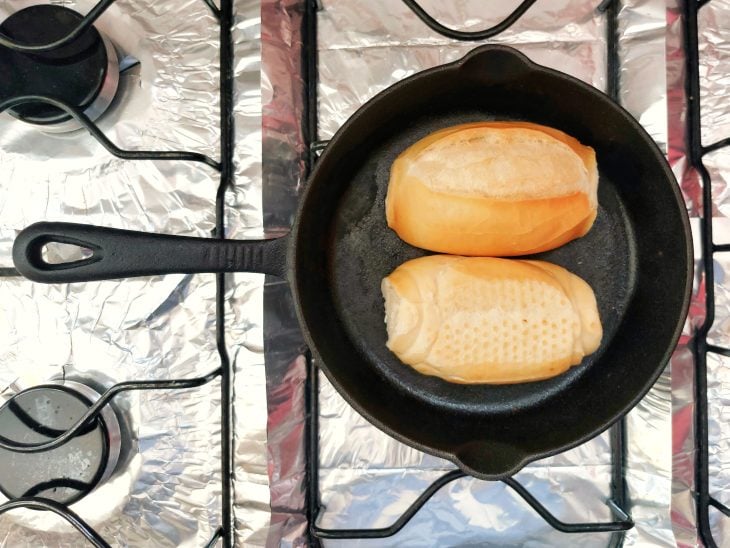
(185, 410)
(148, 466)
(83, 73)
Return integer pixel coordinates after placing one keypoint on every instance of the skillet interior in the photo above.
(636, 258)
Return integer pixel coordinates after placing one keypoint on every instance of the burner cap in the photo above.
(69, 472)
(74, 73)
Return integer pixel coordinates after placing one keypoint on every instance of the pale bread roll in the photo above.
(493, 189)
(487, 320)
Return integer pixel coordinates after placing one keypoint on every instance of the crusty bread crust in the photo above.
(488, 320)
(493, 189)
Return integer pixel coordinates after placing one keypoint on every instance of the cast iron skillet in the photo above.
(637, 257)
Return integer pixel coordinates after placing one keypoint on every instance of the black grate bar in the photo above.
(613, 62)
(401, 522)
(723, 248)
(83, 25)
(434, 25)
(716, 146)
(311, 447)
(603, 6)
(95, 409)
(319, 146)
(718, 350)
(619, 501)
(720, 506)
(213, 8)
(130, 64)
(227, 396)
(84, 120)
(310, 129)
(31, 423)
(60, 483)
(625, 522)
(310, 75)
(60, 510)
(695, 152)
(8, 272)
(227, 170)
(218, 535)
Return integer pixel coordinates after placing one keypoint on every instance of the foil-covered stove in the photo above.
(166, 490)
(168, 487)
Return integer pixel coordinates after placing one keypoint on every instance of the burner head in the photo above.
(83, 73)
(69, 472)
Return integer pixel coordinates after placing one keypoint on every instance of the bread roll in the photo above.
(486, 320)
(493, 189)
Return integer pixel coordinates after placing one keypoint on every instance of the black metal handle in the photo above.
(126, 253)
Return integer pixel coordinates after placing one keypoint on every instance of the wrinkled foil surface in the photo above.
(366, 478)
(714, 57)
(168, 491)
(714, 24)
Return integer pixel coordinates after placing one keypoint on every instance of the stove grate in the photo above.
(225, 167)
(695, 152)
(618, 501)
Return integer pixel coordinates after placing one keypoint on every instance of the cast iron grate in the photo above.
(696, 151)
(618, 501)
(224, 16)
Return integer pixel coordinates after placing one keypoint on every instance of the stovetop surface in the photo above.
(169, 490)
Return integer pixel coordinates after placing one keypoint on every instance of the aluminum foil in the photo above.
(168, 491)
(364, 48)
(283, 175)
(714, 54)
(245, 297)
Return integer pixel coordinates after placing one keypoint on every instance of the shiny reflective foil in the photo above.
(167, 491)
(367, 479)
(714, 57)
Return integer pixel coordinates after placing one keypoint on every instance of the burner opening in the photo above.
(66, 473)
(83, 74)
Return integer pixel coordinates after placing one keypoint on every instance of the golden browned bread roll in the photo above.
(487, 320)
(493, 189)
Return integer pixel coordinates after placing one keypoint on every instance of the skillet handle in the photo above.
(126, 253)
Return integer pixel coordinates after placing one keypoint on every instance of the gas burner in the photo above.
(66, 473)
(83, 73)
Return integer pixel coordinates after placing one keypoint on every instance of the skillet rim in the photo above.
(331, 154)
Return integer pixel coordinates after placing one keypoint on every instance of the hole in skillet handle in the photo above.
(489, 460)
(498, 63)
(46, 252)
(55, 253)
